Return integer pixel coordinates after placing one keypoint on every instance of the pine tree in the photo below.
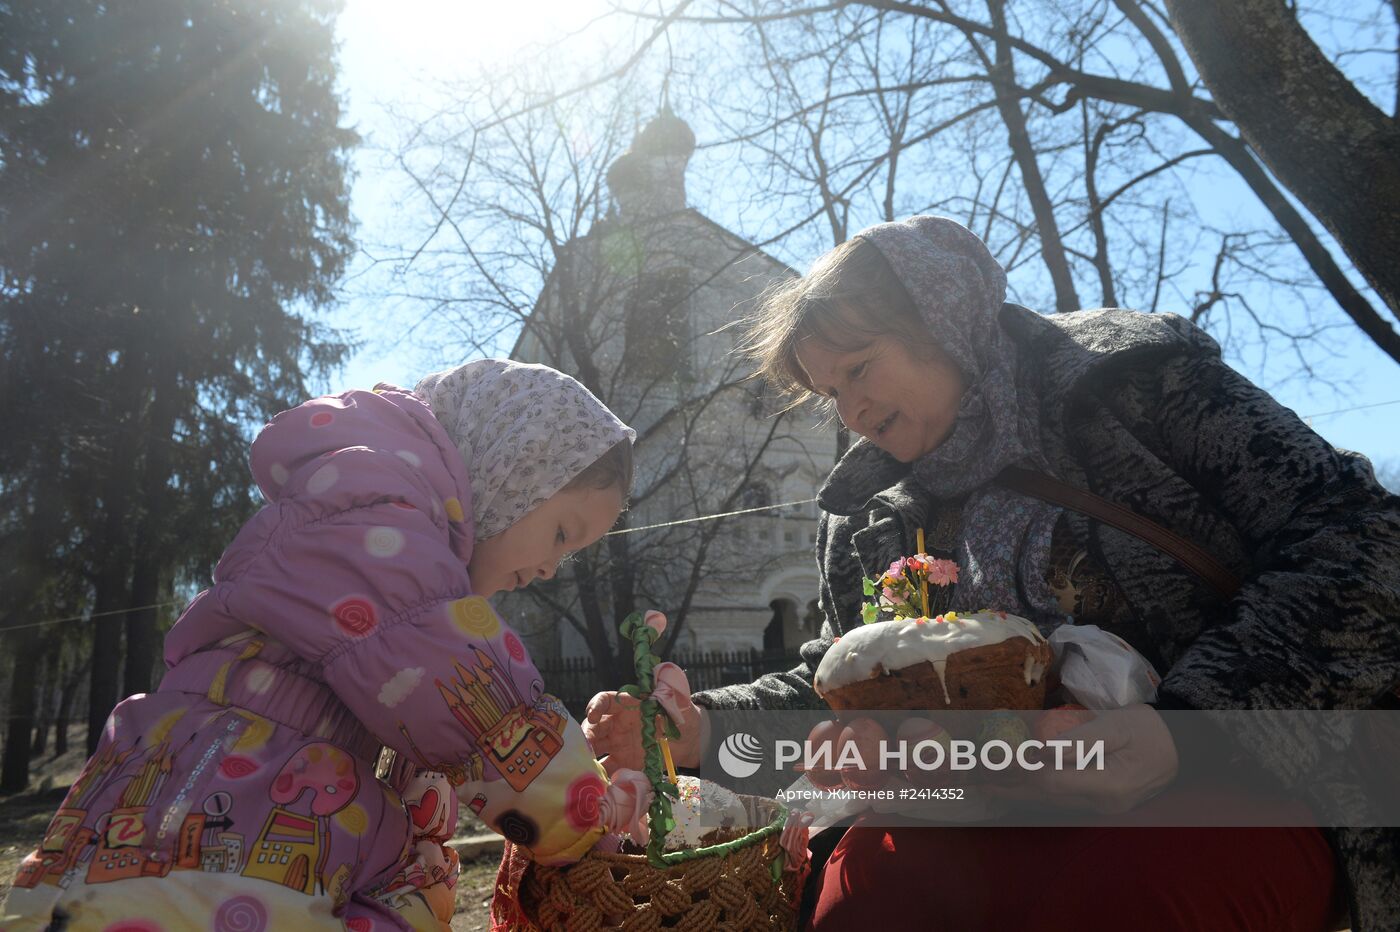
(173, 210)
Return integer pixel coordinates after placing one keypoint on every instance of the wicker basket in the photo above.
(736, 884)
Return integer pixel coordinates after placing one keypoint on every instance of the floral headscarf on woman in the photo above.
(958, 288)
(524, 430)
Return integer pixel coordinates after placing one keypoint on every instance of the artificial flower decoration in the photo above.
(902, 590)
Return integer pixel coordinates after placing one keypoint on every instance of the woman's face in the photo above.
(533, 547)
(904, 401)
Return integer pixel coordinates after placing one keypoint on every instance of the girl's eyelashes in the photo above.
(559, 536)
(858, 370)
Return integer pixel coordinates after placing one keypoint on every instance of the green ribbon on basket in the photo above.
(660, 819)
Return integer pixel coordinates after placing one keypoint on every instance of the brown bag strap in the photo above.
(1194, 558)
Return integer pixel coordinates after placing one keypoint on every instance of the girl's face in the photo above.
(533, 547)
(903, 403)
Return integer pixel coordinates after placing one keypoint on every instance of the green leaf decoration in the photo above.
(868, 585)
(659, 816)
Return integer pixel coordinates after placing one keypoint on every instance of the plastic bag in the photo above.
(1101, 670)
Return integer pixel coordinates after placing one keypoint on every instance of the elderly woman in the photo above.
(904, 330)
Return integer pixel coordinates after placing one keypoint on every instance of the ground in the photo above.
(474, 888)
(23, 819)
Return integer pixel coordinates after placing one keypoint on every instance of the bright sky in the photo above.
(388, 44)
(395, 55)
(395, 52)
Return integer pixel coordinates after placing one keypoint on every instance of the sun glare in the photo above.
(442, 38)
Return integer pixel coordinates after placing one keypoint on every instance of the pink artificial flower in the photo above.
(897, 567)
(942, 572)
(795, 838)
(624, 804)
(672, 689)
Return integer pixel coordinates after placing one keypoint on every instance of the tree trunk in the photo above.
(1338, 153)
(142, 639)
(111, 594)
(1092, 144)
(151, 546)
(14, 773)
(112, 582)
(605, 662)
(30, 566)
(622, 573)
(72, 681)
(1052, 249)
(1241, 158)
(104, 678)
(43, 703)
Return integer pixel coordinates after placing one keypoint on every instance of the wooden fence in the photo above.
(575, 680)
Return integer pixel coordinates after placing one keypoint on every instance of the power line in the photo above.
(630, 530)
(1378, 404)
(727, 514)
(115, 611)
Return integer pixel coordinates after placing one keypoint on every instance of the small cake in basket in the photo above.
(706, 814)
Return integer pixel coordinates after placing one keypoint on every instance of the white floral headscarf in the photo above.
(523, 430)
(958, 287)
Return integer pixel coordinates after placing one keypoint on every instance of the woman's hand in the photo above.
(613, 727)
(1139, 762)
(613, 721)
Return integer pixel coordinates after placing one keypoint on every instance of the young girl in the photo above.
(350, 613)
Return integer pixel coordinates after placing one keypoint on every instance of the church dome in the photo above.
(649, 178)
(666, 134)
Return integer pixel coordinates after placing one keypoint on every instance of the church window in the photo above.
(657, 326)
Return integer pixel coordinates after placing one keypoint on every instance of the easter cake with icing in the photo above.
(979, 660)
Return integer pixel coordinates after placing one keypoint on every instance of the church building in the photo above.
(646, 305)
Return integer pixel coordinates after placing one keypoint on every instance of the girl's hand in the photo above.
(1139, 762)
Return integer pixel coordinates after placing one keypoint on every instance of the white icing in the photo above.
(893, 645)
(1033, 671)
